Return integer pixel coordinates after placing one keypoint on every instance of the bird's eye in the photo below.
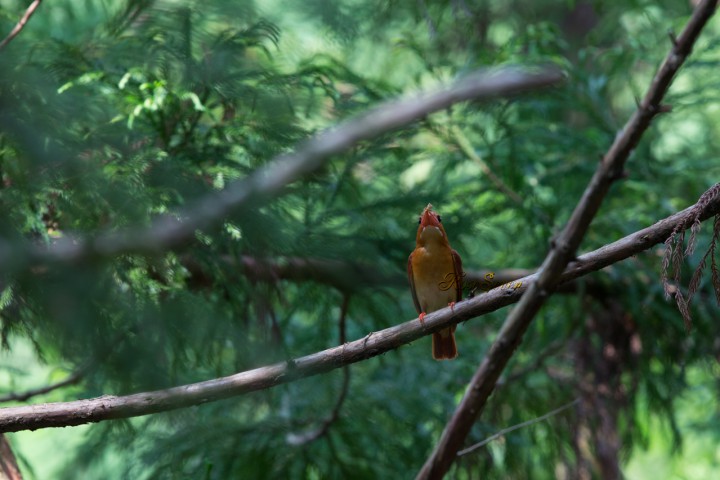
(419, 220)
(439, 219)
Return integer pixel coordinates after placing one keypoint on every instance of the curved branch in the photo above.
(297, 439)
(28, 394)
(562, 251)
(75, 377)
(21, 23)
(169, 232)
(63, 414)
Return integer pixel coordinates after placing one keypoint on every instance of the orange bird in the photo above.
(435, 274)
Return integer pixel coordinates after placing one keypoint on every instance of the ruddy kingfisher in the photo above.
(435, 273)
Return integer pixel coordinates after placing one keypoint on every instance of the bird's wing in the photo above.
(412, 284)
(459, 274)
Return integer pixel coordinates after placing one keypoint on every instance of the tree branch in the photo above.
(297, 439)
(169, 232)
(350, 276)
(21, 397)
(8, 463)
(63, 414)
(459, 138)
(346, 276)
(21, 23)
(75, 377)
(537, 363)
(562, 251)
(527, 423)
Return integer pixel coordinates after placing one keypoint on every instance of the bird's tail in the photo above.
(443, 345)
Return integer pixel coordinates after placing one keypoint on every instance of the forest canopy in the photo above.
(225, 191)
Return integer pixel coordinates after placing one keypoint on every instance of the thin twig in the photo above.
(562, 251)
(21, 397)
(536, 364)
(311, 436)
(463, 143)
(674, 255)
(79, 412)
(455, 135)
(527, 423)
(21, 23)
(72, 379)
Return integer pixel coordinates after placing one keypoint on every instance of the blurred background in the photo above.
(114, 112)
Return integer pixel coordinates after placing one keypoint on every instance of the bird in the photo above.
(435, 274)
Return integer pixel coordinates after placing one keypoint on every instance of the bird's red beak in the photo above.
(429, 218)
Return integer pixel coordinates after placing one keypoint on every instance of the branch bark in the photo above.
(170, 232)
(9, 469)
(63, 414)
(348, 277)
(562, 251)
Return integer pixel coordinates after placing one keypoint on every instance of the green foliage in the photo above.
(113, 114)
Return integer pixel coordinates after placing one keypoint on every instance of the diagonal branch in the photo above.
(562, 251)
(527, 423)
(459, 138)
(8, 463)
(21, 23)
(63, 414)
(169, 232)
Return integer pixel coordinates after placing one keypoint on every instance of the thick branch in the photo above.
(8, 463)
(351, 276)
(343, 275)
(168, 232)
(562, 251)
(21, 23)
(78, 412)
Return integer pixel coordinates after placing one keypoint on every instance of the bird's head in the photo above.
(430, 229)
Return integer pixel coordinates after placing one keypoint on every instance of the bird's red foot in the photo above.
(421, 317)
(452, 306)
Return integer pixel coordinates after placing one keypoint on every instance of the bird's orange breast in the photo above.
(434, 276)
